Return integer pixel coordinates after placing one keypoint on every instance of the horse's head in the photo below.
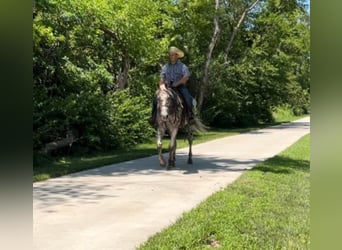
(164, 103)
(169, 103)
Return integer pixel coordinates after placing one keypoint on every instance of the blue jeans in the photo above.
(187, 97)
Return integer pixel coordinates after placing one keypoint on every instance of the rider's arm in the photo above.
(183, 80)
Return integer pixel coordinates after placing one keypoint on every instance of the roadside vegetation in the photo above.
(46, 167)
(268, 207)
(96, 67)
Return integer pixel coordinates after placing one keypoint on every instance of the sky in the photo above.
(308, 3)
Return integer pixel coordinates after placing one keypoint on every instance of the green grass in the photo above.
(267, 208)
(46, 168)
(283, 114)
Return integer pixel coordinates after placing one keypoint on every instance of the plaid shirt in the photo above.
(174, 72)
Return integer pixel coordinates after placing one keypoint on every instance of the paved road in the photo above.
(118, 207)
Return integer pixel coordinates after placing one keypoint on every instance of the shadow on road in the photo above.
(86, 188)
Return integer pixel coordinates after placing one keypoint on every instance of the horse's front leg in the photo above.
(160, 135)
(172, 148)
(190, 139)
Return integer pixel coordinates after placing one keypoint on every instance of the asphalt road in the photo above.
(117, 207)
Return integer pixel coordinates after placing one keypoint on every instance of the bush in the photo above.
(128, 117)
(98, 121)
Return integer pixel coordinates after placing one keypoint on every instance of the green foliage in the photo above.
(81, 49)
(283, 113)
(85, 53)
(268, 67)
(128, 117)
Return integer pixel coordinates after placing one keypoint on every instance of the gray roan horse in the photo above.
(171, 116)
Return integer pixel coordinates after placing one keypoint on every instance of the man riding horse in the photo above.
(175, 74)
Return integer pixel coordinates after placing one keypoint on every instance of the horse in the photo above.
(172, 116)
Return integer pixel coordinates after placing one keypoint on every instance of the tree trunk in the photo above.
(208, 55)
(236, 29)
(67, 141)
(123, 76)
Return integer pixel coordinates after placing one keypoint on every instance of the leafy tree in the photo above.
(268, 73)
(83, 51)
(96, 64)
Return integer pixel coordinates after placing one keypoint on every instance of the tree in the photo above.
(83, 52)
(208, 55)
(263, 70)
(96, 64)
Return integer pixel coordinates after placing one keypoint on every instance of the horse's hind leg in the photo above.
(160, 135)
(190, 139)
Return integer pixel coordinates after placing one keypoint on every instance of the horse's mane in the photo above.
(169, 91)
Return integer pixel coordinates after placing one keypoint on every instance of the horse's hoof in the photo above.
(162, 164)
(190, 161)
(171, 165)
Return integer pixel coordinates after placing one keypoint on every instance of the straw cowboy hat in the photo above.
(177, 51)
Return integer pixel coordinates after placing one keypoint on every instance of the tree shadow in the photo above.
(302, 125)
(86, 188)
(61, 191)
(282, 165)
(292, 125)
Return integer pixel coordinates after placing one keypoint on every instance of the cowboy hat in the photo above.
(177, 51)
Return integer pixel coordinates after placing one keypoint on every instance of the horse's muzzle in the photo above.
(164, 118)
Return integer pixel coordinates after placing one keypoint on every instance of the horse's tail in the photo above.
(198, 126)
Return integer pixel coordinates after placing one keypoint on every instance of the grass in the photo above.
(267, 208)
(47, 168)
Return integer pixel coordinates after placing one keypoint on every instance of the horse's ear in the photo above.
(162, 87)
